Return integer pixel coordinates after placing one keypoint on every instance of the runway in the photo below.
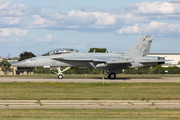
(89, 80)
(89, 104)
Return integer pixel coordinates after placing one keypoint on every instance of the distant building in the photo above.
(9, 58)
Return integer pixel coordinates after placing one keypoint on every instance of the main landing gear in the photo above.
(60, 72)
(110, 74)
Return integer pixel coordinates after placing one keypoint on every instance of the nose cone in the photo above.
(20, 64)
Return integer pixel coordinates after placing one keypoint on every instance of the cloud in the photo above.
(79, 20)
(96, 18)
(77, 17)
(90, 20)
(105, 19)
(8, 8)
(100, 9)
(153, 27)
(38, 22)
(129, 19)
(174, 1)
(9, 21)
(33, 17)
(47, 38)
(154, 8)
(7, 32)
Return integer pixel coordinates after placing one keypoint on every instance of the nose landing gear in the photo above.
(60, 76)
(60, 72)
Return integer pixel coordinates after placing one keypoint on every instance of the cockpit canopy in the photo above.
(60, 51)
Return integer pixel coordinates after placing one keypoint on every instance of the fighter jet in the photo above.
(110, 63)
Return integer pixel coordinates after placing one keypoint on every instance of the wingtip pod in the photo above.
(141, 46)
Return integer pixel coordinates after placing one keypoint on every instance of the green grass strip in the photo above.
(89, 114)
(91, 91)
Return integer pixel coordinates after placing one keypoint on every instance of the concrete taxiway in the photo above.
(88, 80)
(93, 104)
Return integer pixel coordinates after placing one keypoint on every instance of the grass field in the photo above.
(90, 114)
(92, 91)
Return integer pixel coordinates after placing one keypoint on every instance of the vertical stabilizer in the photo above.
(141, 47)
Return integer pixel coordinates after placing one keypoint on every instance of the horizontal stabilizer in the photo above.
(153, 61)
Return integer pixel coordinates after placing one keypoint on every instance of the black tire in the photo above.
(60, 76)
(112, 76)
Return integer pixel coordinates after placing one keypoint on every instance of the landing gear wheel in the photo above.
(60, 76)
(112, 76)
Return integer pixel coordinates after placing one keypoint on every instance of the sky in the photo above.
(39, 26)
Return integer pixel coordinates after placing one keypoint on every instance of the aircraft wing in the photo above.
(78, 59)
(116, 61)
(73, 59)
(99, 63)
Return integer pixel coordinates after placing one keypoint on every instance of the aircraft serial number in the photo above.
(33, 59)
(148, 36)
